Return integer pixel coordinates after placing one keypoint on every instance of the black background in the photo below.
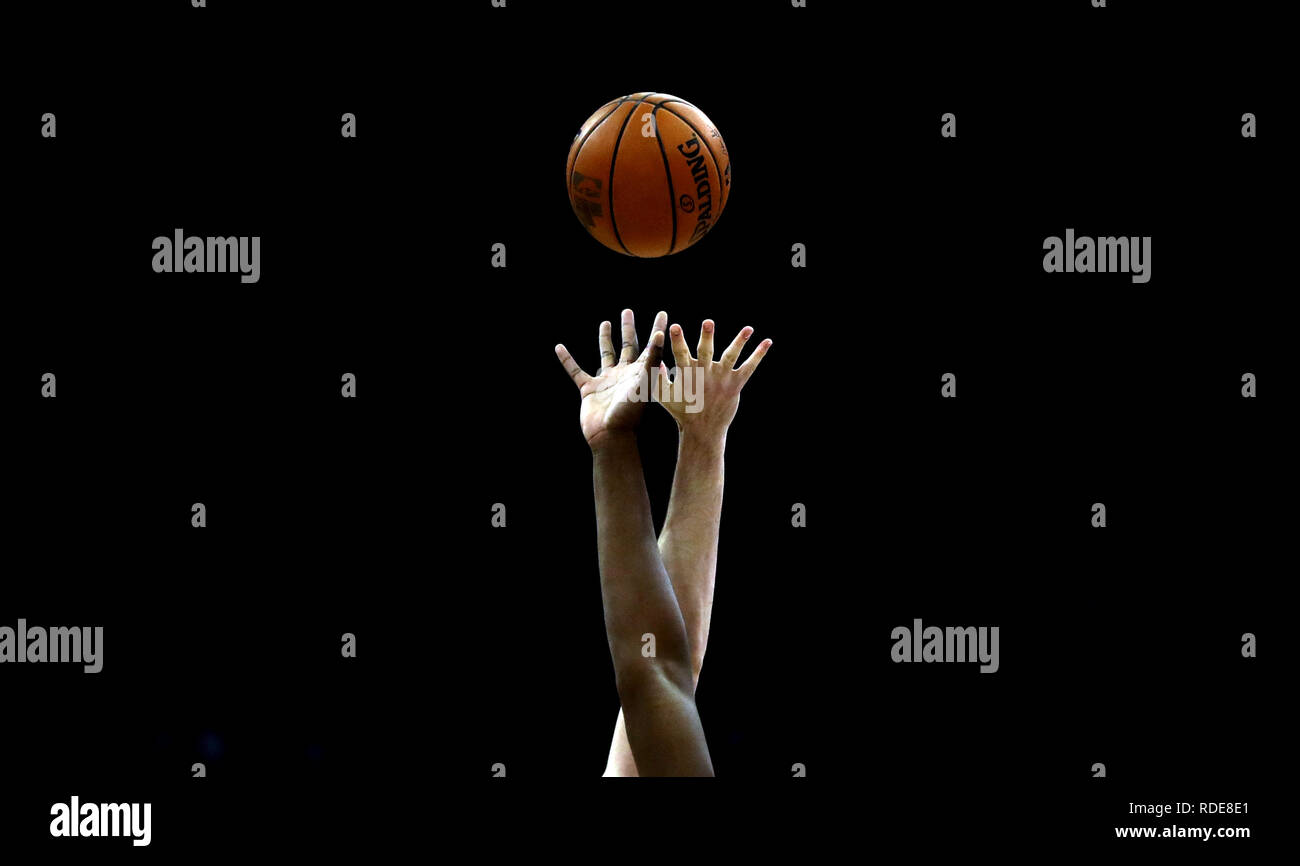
(480, 645)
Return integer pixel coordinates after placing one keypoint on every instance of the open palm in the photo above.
(703, 394)
(615, 397)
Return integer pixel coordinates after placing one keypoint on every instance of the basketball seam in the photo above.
(716, 169)
(613, 159)
(672, 192)
(583, 144)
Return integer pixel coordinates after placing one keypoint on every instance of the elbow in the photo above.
(638, 677)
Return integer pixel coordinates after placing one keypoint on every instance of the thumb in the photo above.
(665, 390)
(653, 350)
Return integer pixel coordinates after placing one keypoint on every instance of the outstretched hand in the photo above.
(703, 394)
(613, 399)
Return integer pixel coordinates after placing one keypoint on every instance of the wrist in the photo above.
(612, 440)
(705, 441)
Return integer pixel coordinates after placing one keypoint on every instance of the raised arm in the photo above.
(656, 693)
(703, 399)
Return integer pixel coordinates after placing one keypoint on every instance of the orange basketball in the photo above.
(648, 175)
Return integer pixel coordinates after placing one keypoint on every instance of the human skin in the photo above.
(656, 693)
(688, 543)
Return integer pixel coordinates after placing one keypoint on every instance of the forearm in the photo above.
(688, 544)
(688, 547)
(662, 724)
(638, 596)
